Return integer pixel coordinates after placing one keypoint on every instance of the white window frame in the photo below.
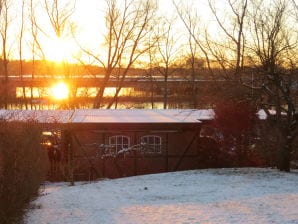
(152, 143)
(117, 142)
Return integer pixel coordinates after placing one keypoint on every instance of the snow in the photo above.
(109, 115)
(116, 116)
(137, 116)
(246, 195)
(263, 115)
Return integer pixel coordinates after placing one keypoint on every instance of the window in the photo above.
(119, 142)
(152, 143)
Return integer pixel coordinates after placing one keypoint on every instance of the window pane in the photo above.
(152, 142)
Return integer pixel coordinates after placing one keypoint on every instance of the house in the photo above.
(97, 143)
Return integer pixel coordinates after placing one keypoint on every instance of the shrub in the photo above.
(23, 166)
(236, 122)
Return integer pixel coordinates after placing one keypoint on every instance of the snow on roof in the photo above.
(140, 116)
(109, 116)
(263, 115)
(115, 116)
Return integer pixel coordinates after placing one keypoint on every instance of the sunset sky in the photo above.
(90, 26)
(82, 39)
(88, 18)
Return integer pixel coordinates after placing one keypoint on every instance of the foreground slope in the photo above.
(246, 195)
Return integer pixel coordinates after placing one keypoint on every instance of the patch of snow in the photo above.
(246, 195)
(108, 115)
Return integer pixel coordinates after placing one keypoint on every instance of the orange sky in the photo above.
(90, 27)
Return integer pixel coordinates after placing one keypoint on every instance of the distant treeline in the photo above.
(38, 68)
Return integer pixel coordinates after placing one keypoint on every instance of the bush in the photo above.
(236, 122)
(23, 166)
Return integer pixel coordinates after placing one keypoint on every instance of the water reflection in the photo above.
(45, 92)
(42, 98)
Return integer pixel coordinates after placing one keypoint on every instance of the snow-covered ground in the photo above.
(246, 195)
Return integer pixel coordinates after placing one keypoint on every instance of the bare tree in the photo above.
(260, 38)
(167, 50)
(234, 31)
(192, 23)
(197, 48)
(5, 21)
(130, 32)
(35, 45)
(128, 24)
(193, 63)
(2, 92)
(35, 30)
(272, 52)
(228, 49)
(59, 13)
(270, 46)
(151, 72)
(225, 48)
(21, 39)
(295, 10)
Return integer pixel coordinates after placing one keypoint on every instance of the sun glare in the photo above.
(60, 91)
(58, 49)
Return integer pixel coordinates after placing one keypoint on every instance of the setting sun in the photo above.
(60, 91)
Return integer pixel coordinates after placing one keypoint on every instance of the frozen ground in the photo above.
(222, 196)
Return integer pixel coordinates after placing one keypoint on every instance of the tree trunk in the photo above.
(165, 95)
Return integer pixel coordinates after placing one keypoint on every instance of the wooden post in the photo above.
(69, 151)
(103, 157)
(70, 147)
(103, 166)
(167, 152)
(135, 157)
